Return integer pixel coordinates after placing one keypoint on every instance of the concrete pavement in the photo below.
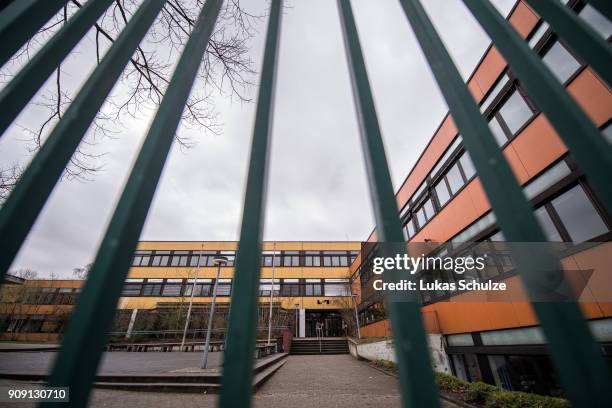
(303, 382)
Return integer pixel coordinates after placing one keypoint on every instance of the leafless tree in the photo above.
(226, 69)
(25, 273)
(8, 179)
(81, 273)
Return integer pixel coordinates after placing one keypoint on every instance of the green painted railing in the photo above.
(579, 361)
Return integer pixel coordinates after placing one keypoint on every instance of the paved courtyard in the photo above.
(116, 362)
(303, 382)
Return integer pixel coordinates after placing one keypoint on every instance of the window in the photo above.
(266, 285)
(312, 258)
(515, 112)
(197, 259)
(152, 287)
(467, 165)
(597, 21)
(180, 258)
(224, 287)
(337, 287)
(455, 181)
(449, 151)
(442, 192)
(161, 258)
(547, 179)
(312, 287)
(578, 215)
(291, 258)
(607, 132)
(495, 92)
(290, 287)
(335, 258)
(538, 34)
(498, 132)
(270, 257)
(410, 229)
(132, 287)
(202, 287)
(172, 287)
(141, 258)
(560, 62)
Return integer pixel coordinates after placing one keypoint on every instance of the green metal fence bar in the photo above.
(36, 183)
(20, 20)
(603, 6)
(416, 375)
(30, 79)
(583, 40)
(237, 381)
(592, 152)
(579, 361)
(87, 333)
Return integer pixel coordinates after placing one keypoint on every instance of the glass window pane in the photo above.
(442, 192)
(450, 150)
(455, 181)
(410, 228)
(538, 34)
(429, 209)
(578, 215)
(421, 218)
(546, 179)
(171, 290)
(597, 21)
(607, 132)
(551, 232)
(560, 62)
(494, 92)
(515, 112)
(498, 132)
(467, 165)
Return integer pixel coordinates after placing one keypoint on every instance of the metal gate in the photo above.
(583, 372)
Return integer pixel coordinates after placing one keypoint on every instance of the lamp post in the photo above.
(271, 294)
(191, 301)
(297, 305)
(218, 261)
(354, 296)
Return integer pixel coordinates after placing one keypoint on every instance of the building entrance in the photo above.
(330, 321)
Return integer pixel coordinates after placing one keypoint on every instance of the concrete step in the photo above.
(189, 387)
(195, 382)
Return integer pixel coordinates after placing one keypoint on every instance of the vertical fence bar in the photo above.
(87, 332)
(592, 152)
(416, 375)
(36, 183)
(30, 79)
(603, 6)
(583, 40)
(581, 366)
(20, 20)
(237, 381)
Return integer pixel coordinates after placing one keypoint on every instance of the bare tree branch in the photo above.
(226, 69)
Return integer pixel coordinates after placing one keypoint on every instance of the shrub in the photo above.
(447, 382)
(479, 391)
(518, 399)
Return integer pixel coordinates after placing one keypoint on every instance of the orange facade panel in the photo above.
(593, 95)
(438, 144)
(523, 19)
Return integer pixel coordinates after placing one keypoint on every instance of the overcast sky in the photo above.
(317, 185)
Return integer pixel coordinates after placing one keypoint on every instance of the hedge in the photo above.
(490, 396)
(486, 395)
